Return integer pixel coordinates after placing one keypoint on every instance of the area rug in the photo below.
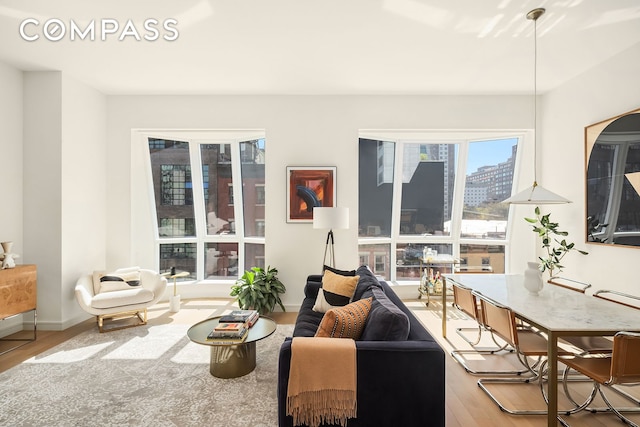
(144, 376)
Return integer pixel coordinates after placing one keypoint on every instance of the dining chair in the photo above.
(584, 344)
(527, 343)
(604, 345)
(464, 301)
(467, 302)
(618, 297)
(567, 283)
(621, 368)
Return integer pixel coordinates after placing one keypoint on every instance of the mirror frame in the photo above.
(591, 134)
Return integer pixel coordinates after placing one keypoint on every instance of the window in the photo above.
(411, 197)
(488, 181)
(195, 183)
(376, 257)
(230, 194)
(259, 194)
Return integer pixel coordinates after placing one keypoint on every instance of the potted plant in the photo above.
(259, 289)
(555, 248)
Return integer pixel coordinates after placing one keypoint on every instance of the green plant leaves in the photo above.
(547, 231)
(259, 289)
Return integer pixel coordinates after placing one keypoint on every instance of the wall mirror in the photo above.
(613, 180)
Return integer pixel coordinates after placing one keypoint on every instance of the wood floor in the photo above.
(467, 405)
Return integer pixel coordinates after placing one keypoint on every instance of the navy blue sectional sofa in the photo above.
(400, 367)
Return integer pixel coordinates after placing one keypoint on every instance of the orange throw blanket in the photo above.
(322, 381)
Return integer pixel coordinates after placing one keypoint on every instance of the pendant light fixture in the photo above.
(535, 194)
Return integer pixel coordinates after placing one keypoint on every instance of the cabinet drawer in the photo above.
(18, 287)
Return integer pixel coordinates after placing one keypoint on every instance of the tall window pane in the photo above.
(428, 178)
(377, 257)
(254, 256)
(489, 180)
(252, 157)
(182, 256)
(173, 187)
(409, 259)
(216, 181)
(480, 257)
(376, 165)
(220, 260)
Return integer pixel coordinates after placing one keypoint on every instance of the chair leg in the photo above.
(458, 356)
(613, 409)
(475, 342)
(595, 390)
(536, 377)
(483, 381)
(140, 315)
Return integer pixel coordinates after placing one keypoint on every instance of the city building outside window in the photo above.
(442, 192)
(195, 184)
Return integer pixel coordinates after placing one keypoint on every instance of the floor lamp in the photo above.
(331, 218)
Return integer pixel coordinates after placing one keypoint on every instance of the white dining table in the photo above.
(557, 311)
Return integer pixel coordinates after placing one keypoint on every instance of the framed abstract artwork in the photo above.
(309, 187)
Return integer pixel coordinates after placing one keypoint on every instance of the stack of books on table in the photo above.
(234, 327)
(248, 317)
(229, 333)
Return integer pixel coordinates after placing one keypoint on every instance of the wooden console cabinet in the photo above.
(18, 294)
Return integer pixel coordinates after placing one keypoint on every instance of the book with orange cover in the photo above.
(229, 327)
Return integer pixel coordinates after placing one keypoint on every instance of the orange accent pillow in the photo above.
(345, 322)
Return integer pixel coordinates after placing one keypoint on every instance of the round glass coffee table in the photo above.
(231, 360)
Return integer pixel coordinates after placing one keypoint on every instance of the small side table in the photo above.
(232, 360)
(443, 264)
(174, 300)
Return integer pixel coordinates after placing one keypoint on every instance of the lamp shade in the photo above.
(535, 195)
(330, 218)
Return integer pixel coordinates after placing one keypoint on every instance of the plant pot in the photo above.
(533, 278)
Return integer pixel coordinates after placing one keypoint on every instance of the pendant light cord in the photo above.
(535, 101)
(534, 15)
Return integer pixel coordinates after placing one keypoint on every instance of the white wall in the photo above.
(11, 155)
(84, 176)
(11, 160)
(64, 190)
(605, 91)
(42, 188)
(300, 131)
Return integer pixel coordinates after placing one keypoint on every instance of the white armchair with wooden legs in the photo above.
(121, 294)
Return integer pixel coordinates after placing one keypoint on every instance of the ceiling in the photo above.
(320, 46)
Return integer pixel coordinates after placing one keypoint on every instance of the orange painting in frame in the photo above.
(309, 187)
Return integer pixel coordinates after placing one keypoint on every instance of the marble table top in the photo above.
(554, 308)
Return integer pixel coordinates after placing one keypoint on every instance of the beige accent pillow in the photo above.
(336, 291)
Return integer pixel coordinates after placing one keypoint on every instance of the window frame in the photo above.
(195, 139)
(464, 139)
